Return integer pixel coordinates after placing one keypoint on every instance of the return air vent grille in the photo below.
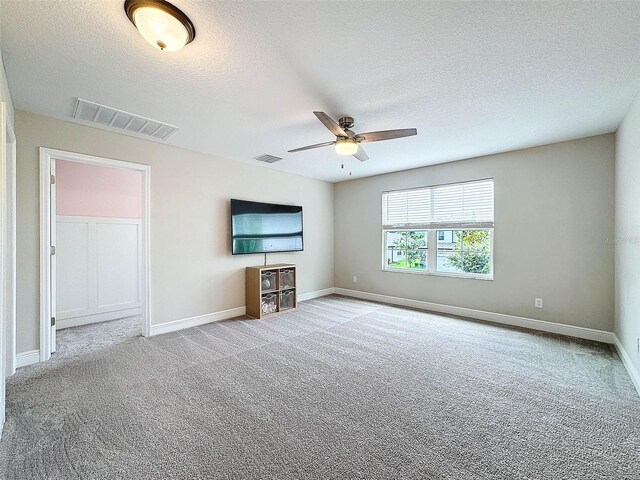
(266, 158)
(115, 119)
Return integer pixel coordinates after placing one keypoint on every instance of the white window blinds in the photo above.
(456, 205)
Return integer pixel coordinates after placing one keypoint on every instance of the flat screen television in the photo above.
(265, 227)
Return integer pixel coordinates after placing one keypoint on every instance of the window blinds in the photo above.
(458, 205)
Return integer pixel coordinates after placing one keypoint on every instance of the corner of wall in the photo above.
(626, 239)
(335, 229)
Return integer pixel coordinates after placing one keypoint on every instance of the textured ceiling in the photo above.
(473, 77)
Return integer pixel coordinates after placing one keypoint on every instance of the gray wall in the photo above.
(554, 223)
(192, 270)
(627, 235)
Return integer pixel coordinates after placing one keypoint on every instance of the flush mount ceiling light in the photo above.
(161, 24)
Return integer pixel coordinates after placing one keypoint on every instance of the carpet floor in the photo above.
(338, 389)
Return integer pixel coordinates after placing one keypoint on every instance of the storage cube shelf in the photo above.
(270, 289)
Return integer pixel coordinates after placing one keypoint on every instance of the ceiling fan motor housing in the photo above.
(346, 122)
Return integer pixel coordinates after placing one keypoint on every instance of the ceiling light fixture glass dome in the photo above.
(346, 146)
(160, 23)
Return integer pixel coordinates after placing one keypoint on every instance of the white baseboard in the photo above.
(222, 315)
(27, 358)
(626, 361)
(318, 293)
(523, 322)
(33, 356)
(96, 318)
(196, 321)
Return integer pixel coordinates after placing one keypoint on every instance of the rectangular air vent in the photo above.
(266, 158)
(114, 119)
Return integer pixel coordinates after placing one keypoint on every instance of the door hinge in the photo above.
(53, 321)
(53, 249)
(53, 179)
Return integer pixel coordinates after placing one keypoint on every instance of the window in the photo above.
(406, 250)
(464, 251)
(444, 229)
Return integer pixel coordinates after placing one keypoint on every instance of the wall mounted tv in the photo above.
(265, 227)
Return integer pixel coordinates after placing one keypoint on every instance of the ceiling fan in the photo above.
(347, 142)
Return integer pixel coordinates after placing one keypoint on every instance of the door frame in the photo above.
(46, 157)
(9, 242)
(3, 198)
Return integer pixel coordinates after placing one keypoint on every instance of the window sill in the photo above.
(439, 274)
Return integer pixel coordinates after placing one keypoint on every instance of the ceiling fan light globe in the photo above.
(346, 146)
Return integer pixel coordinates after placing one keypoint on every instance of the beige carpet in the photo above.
(340, 389)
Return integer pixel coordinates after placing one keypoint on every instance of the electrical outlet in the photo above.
(538, 303)
(355, 279)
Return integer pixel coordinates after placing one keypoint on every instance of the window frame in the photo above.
(432, 254)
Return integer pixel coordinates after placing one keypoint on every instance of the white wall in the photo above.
(627, 233)
(554, 224)
(192, 270)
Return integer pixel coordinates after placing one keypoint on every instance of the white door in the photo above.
(52, 256)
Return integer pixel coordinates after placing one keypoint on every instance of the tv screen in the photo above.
(265, 227)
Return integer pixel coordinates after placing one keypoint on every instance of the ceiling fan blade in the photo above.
(330, 124)
(309, 147)
(361, 154)
(385, 135)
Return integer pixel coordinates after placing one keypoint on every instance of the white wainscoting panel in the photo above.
(98, 269)
(118, 247)
(73, 268)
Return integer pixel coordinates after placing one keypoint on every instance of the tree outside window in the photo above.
(471, 252)
(407, 250)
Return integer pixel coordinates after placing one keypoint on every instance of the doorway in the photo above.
(94, 248)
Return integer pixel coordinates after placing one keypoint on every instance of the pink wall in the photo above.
(96, 191)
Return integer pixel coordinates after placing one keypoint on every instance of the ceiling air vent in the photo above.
(266, 158)
(119, 120)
